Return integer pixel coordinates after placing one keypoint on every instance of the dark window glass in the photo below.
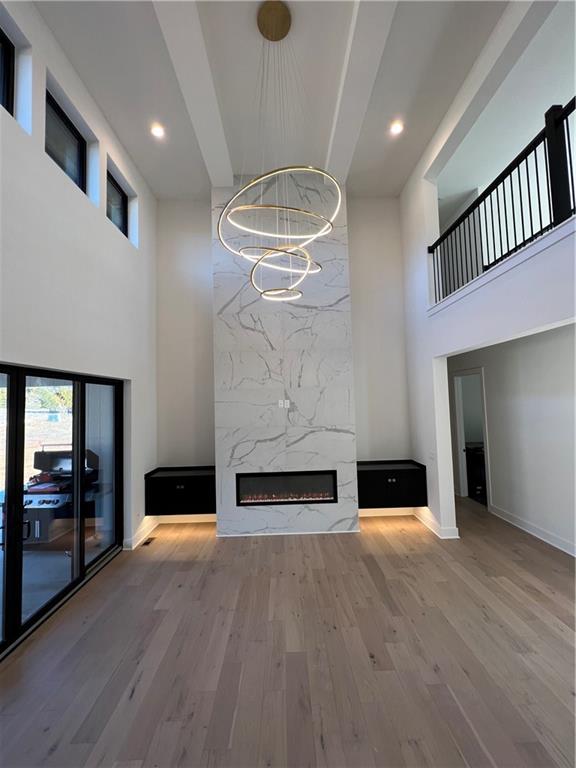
(64, 143)
(6, 73)
(116, 204)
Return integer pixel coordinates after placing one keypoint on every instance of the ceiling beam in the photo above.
(368, 33)
(180, 25)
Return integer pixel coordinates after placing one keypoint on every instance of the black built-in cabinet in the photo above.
(192, 490)
(388, 484)
(181, 491)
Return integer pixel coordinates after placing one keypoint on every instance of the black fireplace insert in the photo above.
(313, 487)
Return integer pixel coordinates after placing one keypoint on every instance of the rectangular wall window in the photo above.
(6, 73)
(64, 143)
(116, 204)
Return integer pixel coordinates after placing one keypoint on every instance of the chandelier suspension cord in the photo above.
(272, 218)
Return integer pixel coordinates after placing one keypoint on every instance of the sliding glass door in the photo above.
(60, 488)
(3, 465)
(50, 527)
(99, 486)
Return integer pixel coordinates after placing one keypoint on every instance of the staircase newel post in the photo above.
(557, 165)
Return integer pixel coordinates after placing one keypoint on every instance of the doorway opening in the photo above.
(469, 417)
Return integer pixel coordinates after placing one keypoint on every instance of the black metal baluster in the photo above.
(548, 184)
(499, 221)
(475, 249)
(487, 238)
(469, 259)
(436, 256)
(505, 216)
(453, 263)
(538, 189)
(513, 210)
(521, 204)
(570, 166)
(460, 261)
(493, 227)
(449, 266)
(529, 199)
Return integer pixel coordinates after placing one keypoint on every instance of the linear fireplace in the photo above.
(260, 488)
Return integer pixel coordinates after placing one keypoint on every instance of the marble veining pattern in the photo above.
(266, 352)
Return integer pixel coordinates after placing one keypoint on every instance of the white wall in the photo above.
(376, 283)
(75, 294)
(185, 350)
(530, 410)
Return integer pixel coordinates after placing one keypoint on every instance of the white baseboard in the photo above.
(427, 518)
(541, 533)
(387, 512)
(145, 529)
(171, 519)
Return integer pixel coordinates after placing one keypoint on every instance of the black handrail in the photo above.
(534, 193)
(520, 157)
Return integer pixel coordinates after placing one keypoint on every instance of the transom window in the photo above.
(116, 204)
(6, 73)
(64, 142)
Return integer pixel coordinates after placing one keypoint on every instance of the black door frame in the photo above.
(14, 628)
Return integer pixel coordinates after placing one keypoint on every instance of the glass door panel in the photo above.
(99, 490)
(3, 462)
(50, 527)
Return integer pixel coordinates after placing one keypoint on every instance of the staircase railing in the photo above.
(533, 194)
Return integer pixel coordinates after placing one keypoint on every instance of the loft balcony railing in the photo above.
(532, 195)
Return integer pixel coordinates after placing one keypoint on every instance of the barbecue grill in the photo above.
(51, 490)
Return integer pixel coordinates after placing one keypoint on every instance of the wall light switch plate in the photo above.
(286, 403)
(280, 403)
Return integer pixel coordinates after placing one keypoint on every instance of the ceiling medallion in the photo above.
(271, 220)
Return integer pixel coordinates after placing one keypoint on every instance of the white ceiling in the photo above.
(119, 51)
(430, 50)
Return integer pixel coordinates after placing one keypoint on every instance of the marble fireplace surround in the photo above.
(267, 352)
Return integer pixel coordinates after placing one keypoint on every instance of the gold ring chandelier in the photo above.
(271, 220)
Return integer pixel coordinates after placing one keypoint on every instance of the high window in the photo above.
(6, 73)
(116, 204)
(64, 142)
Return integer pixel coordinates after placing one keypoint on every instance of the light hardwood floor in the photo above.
(386, 648)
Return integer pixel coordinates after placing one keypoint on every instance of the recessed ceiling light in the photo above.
(157, 131)
(396, 127)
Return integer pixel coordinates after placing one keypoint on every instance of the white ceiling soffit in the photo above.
(431, 47)
(118, 51)
(543, 75)
(369, 28)
(182, 32)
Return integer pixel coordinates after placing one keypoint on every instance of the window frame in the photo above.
(124, 196)
(82, 143)
(8, 58)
